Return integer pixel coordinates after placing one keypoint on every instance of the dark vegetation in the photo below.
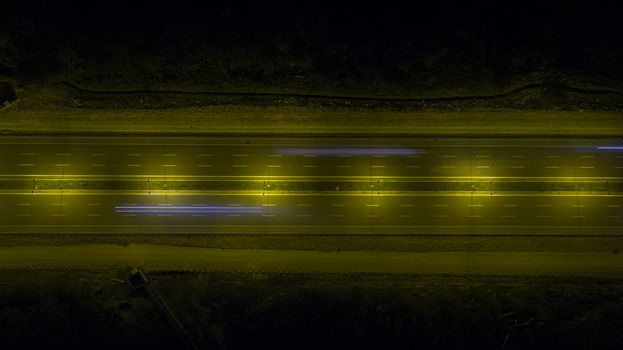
(95, 310)
(435, 48)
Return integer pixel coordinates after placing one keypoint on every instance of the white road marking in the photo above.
(268, 215)
(135, 165)
(517, 167)
(553, 156)
(551, 167)
(587, 167)
(308, 166)
(372, 205)
(378, 166)
(613, 216)
(23, 204)
(414, 166)
(406, 205)
(482, 156)
(269, 205)
(169, 165)
(63, 154)
(543, 216)
(613, 206)
(26, 164)
(309, 155)
(337, 215)
(510, 205)
(239, 166)
(62, 165)
(482, 167)
(441, 205)
(59, 204)
(22, 214)
(274, 166)
(475, 205)
(275, 155)
(517, 156)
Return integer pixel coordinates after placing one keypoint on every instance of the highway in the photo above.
(272, 212)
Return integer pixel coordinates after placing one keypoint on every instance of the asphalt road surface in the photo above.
(373, 212)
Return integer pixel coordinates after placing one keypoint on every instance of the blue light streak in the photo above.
(188, 209)
(355, 151)
(610, 148)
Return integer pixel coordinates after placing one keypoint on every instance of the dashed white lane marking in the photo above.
(551, 167)
(239, 166)
(199, 215)
(94, 204)
(543, 216)
(98, 154)
(27, 154)
(309, 155)
(613, 206)
(517, 167)
(619, 167)
(134, 154)
(613, 216)
(414, 166)
(406, 205)
(308, 166)
(23, 204)
(135, 165)
(587, 167)
(59, 204)
(240, 155)
(274, 166)
(22, 214)
(441, 205)
(475, 205)
(26, 164)
(63, 154)
(268, 215)
(482, 167)
(510, 205)
(98, 165)
(204, 155)
(165, 204)
(343, 166)
(378, 166)
(275, 155)
(164, 214)
(269, 205)
(169, 165)
(482, 156)
(337, 205)
(373, 205)
(517, 156)
(337, 215)
(62, 165)
(129, 215)
(553, 156)
(204, 165)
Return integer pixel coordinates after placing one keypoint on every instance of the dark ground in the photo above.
(434, 48)
(80, 309)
